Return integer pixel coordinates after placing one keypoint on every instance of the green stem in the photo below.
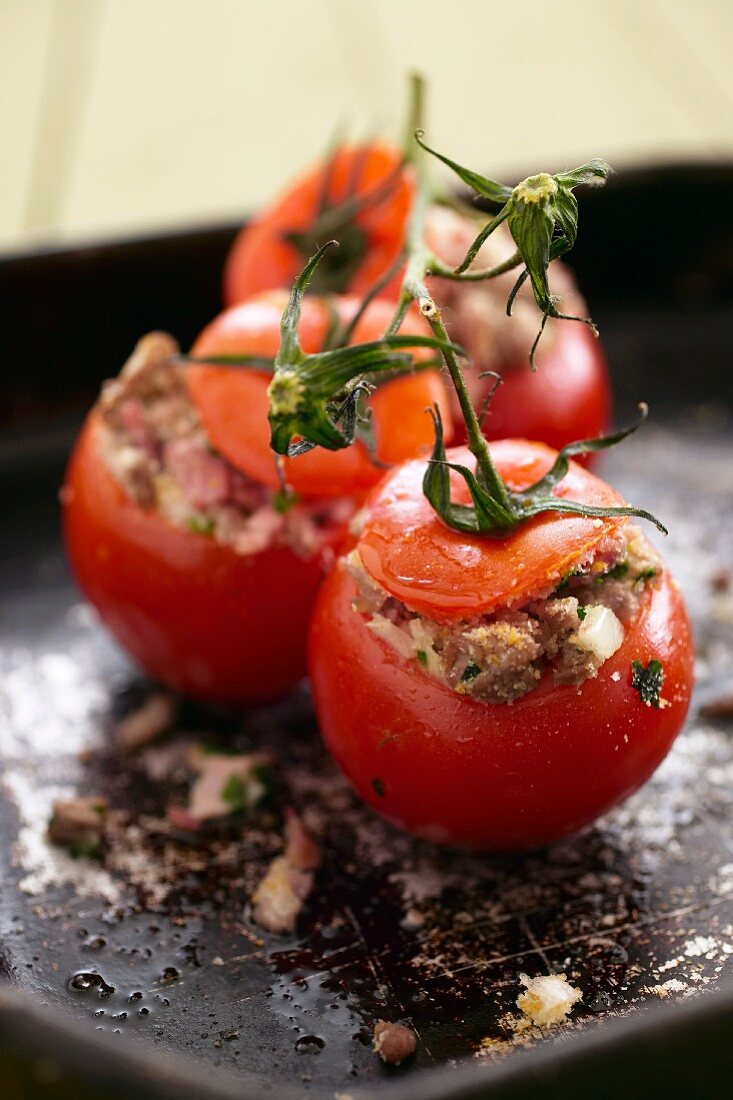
(415, 115)
(420, 261)
(477, 444)
(437, 267)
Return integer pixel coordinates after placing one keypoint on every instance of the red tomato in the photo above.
(193, 613)
(263, 258)
(568, 397)
(460, 772)
(233, 403)
(496, 776)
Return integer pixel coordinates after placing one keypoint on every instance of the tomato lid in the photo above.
(449, 575)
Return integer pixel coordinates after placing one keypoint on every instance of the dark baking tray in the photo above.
(638, 910)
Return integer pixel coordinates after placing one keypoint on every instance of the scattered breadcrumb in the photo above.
(393, 1042)
(154, 718)
(278, 899)
(548, 999)
(668, 988)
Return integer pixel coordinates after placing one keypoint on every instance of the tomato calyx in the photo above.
(492, 513)
(340, 220)
(317, 399)
(541, 213)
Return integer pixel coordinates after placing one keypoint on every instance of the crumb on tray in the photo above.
(548, 999)
(393, 1042)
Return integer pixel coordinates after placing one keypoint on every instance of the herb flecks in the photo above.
(201, 525)
(470, 672)
(235, 793)
(648, 681)
(616, 573)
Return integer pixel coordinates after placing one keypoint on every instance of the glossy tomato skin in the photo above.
(263, 258)
(459, 772)
(567, 398)
(194, 614)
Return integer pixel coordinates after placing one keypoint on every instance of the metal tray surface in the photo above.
(154, 949)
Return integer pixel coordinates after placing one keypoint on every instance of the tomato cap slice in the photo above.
(448, 575)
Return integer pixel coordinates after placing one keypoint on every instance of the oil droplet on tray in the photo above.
(309, 1044)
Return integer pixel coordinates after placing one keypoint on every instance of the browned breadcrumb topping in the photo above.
(500, 657)
(155, 445)
(394, 1043)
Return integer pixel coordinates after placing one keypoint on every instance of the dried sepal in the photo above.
(541, 213)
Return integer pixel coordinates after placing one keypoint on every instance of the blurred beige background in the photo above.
(128, 115)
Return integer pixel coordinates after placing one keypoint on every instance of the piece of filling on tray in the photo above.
(498, 658)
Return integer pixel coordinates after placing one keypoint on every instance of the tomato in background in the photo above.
(370, 234)
(567, 398)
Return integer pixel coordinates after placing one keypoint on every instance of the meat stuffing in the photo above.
(155, 446)
(499, 658)
(278, 899)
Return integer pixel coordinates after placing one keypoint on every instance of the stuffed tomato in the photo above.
(499, 692)
(176, 527)
(188, 562)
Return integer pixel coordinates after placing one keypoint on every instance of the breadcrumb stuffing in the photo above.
(548, 999)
